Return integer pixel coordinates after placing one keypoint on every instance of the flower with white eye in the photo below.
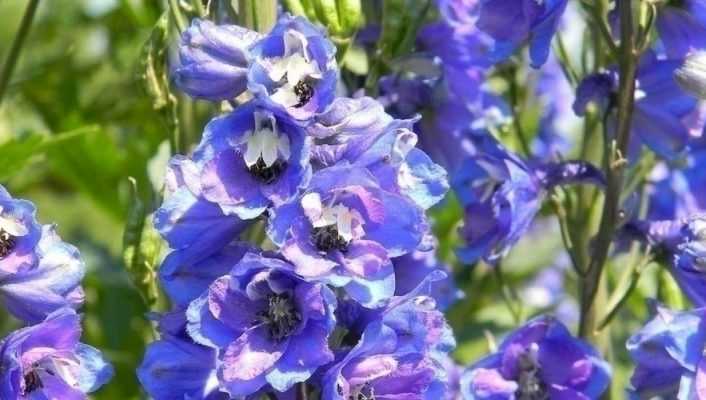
(294, 69)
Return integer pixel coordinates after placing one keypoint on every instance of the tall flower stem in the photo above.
(614, 170)
(14, 54)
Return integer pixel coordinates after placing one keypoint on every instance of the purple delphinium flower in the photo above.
(174, 367)
(270, 326)
(683, 243)
(214, 60)
(666, 118)
(516, 22)
(668, 353)
(39, 273)
(677, 191)
(250, 160)
(294, 68)
(682, 27)
(539, 360)
(47, 361)
(501, 194)
(344, 229)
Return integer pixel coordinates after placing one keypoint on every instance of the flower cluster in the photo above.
(341, 297)
(40, 284)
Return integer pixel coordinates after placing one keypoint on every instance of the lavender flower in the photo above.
(540, 360)
(668, 353)
(294, 68)
(214, 60)
(250, 160)
(46, 361)
(270, 326)
(344, 230)
(501, 194)
(39, 273)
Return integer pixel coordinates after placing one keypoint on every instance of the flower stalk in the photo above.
(14, 54)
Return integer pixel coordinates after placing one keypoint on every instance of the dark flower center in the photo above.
(281, 316)
(304, 92)
(266, 174)
(327, 238)
(363, 392)
(32, 381)
(7, 243)
(531, 386)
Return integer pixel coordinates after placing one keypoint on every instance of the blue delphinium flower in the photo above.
(47, 361)
(666, 118)
(683, 245)
(540, 360)
(214, 60)
(512, 23)
(501, 194)
(668, 353)
(270, 326)
(682, 27)
(39, 273)
(294, 68)
(677, 191)
(250, 160)
(345, 228)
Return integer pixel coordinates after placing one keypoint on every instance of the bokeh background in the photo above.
(76, 122)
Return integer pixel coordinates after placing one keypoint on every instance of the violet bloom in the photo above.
(683, 242)
(251, 159)
(677, 191)
(270, 326)
(344, 229)
(668, 353)
(540, 360)
(214, 60)
(294, 68)
(666, 118)
(512, 23)
(501, 194)
(682, 27)
(47, 361)
(39, 273)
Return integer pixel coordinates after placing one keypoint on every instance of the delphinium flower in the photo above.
(681, 243)
(272, 326)
(501, 195)
(294, 68)
(666, 118)
(345, 228)
(682, 27)
(677, 191)
(39, 273)
(47, 361)
(668, 353)
(540, 360)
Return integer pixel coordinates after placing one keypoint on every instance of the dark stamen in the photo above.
(266, 174)
(7, 243)
(281, 316)
(327, 238)
(364, 392)
(531, 386)
(32, 381)
(304, 92)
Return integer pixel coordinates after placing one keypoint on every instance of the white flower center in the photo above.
(348, 222)
(265, 142)
(12, 225)
(295, 71)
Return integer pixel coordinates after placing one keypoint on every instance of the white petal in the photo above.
(13, 226)
(269, 147)
(311, 204)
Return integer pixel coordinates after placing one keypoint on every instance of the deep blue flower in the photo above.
(501, 195)
(345, 228)
(270, 326)
(214, 60)
(539, 360)
(665, 118)
(683, 242)
(677, 191)
(250, 160)
(668, 353)
(682, 27)
(294, 68)
(47, 361)
(39, 273)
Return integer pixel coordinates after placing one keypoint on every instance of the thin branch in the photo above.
(14, 54)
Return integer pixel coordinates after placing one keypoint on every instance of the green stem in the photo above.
(178, 16)
(509, 295)
(628, 283)
(259, 15)
(18, 42)
(614, 167)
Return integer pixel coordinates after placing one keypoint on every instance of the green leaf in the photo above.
(16, 153)
(142, 249)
